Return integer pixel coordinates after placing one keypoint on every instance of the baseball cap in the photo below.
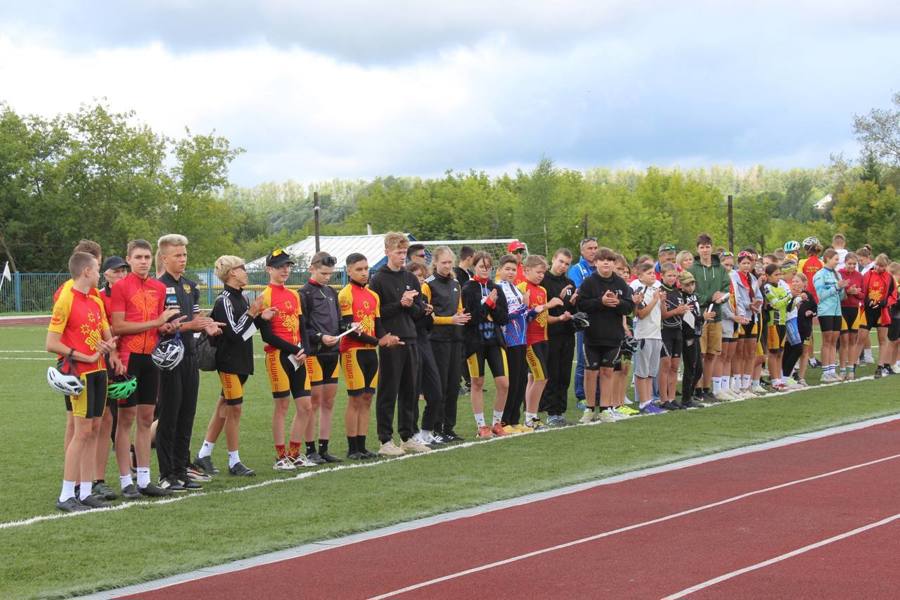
(278, 257)
(667, 248)
(113, 262)
(515, 245)
(686, 277)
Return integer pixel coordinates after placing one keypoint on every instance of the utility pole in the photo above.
(584, 226)
(730, 223)
(316, 216)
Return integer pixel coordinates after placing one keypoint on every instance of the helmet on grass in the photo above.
(629, 344)
(168, 353)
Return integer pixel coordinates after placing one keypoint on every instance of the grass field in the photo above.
(60, 557)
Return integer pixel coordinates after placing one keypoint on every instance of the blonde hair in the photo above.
(171, 240)
(882, 260)
(224, 265)
(440, 251)
(533, 261)
(683, 256)
(395, 241)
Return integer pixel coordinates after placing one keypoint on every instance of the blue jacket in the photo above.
(830, 295)
(580, 271)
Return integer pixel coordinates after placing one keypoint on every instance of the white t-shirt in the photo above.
(842, 255)
(650, 327)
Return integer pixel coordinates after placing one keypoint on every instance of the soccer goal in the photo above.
(496, 247)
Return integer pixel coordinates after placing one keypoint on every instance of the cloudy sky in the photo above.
(315, 90)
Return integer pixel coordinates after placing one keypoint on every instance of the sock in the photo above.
(479, 419)
(754, 383)
(68, 491)
(351, 444)
(279, 451)
(310, 447)
(125, 481)
(143, 477)
(233, 458)
(498, 416)
(85, 490)
(206, 449)
(715, 386)
(735, 382)
(529, 417)
(745, 381)
(323, 446)
(361, 443)
(294, 449)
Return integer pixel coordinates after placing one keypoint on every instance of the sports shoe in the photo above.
(652, 409)
(758, 389)
(195, 474)
(484, 433)
(866, 358)
(556, 421)
(669, 406)
(724, 396)
(851, 375)
(497, 430)
(301, 461)
(802, 383)
(426, 439)
(534, 425)
(413, 446)
(894, 370)
(814, 362)
(284, 464)
(315, 458)
(154, 491)
(689, 403)
(329, 458)
(171, 484)
(607, 416)
(628, 400)
(389, 448)
(523, 428)
(191, 486)
(241, 470)
(205, 464)
(368, 455)
(104, 491)
(71, 505)
(627, 411)
(587, 416)
(780, 387)
(94, 501)
(830, 378)
(508, 429)
(356, 456)
(452, 436)
(581, 405)
(130, 492)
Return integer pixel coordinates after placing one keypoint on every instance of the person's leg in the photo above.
(315, 401)
(448, 357)
(591, 377)
(75, 452)
(663, 379)
(279, 413)
(566, 353)
(302, 415)
(171, 396)
(537, 366)
(392, 362)
(190, 385)
(104, 441)
(517, 375)
(579, 366)
(326, 413)
(406, 394)
(607, 390)
(549, 401)
(672, 380)
(431, 388)
(127, 415)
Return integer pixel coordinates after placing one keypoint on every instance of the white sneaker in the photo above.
(587, 416)
(725, 396)
(607, 416)
(747, 393)
(302, 462)
(389, 448)
(284, 464)
(758, 389)
(867, 358)
(412, 445)
(790, 384)
(830, 378)
(423, 438)
(895, 369)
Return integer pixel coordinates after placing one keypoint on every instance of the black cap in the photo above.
(278, 257)
(113, 262)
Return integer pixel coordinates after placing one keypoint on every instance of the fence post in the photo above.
(17, 284)
(209, 287)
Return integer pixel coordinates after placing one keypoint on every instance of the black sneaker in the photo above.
(94, 501)
(356, 456)
(440, 438)
(170, 484)
(104, 491)
(315, 458)
(205, 464)
(71, 505)
(329, 458)
(452, 436)
(188, 484)
(241, 470)
(154, 491)
(367, 455)
(130, 492)
(689, 403)
(878, 372)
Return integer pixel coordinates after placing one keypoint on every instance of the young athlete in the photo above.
(866, 264)
(323, 323)
(648, 334)
(444, 294)
(620, 377)
(139, 316)
(483, 339)
(361, 315)
(401, 304)
(748, 305)
(286, 344)
(536, 335)
(729, 378)
(673, 311)
(578, 272)
(606, 299)
(839, 243)
(515, 336)
(561, 339)
(712, 286)
(806, 313)
(830, 290)
(517, 249)
(428, 380)
(691, 330)
(878, 287)
(809, 266)
(778, 299)
(852, 313)
(234, 363)
(79, 333)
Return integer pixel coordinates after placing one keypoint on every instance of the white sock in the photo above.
(233, 458)
(745, 381)
(529, 417)
(715, 385)
(479, 419)
(85, 490)
(754, 383)
(498, 416)
(735, 382)
(68, 491)
(206, 449)
(143, 477)
(125, 481)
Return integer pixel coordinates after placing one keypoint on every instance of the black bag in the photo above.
(205, 351)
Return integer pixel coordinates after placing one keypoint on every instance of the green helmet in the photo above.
(121, 388)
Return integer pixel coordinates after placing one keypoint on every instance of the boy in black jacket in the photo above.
(561, 336)
(606, 298)
(401, 307)
(691, 330)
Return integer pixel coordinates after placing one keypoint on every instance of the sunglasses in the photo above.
(420, 255)
(588, 239)
(327, 261)
(727, 254)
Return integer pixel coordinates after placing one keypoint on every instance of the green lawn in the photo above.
(160, 540)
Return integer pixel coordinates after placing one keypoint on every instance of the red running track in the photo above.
(648, 560)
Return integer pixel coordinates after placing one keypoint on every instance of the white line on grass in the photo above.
(781, 557)
(308, 474)
(627, 528)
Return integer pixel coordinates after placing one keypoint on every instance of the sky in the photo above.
(357, 89)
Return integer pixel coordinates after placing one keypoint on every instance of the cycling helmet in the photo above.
(629, 344)
(61, 379)
(121, 387)
(580, 321)
(791, 246)
(168, 353)
(811, 242)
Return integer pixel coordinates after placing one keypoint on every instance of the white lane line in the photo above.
(785, 556)
(605, 534)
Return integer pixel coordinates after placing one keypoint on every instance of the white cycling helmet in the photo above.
(168, 353)
(811, 242)
(70, 385)
(791, 246)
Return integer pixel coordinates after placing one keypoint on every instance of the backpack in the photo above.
(205, 351)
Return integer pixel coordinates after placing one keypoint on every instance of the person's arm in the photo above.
(824, 289)
(500, 311)
(588, 301)
(644, 310)
(388, 309)
(238, 327)
(626, 304)
(269, 337)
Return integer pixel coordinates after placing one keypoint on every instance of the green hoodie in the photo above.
(710, 280)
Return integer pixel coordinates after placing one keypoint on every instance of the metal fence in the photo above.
(33, 292)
